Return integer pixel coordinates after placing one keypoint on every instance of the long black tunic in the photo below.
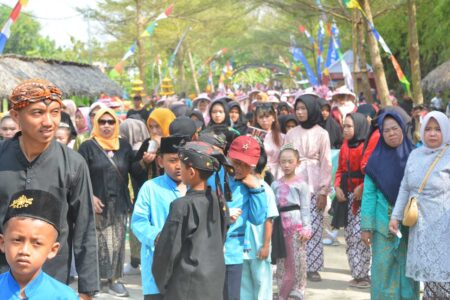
(188, 262)
(110, 187)
(64, 173)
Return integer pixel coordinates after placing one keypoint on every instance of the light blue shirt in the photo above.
(149, 215)
(254, 234)
(43, 287)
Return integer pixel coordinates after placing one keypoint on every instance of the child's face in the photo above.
(349, 128)
(241, 169)
(27, 244)
(172, 166)
(288, 162)
(63, 136)
(187, 174)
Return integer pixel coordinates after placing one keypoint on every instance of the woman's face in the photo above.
(234, 114)
(107, 125)
(392, 133)
(80, 123)
(432, 134)
(284, 111)
(265, 120)
(290, 125)
(154, 129)
(325, 113)
(202, 105)
(301, 111)
(218, 114)
(349, 128)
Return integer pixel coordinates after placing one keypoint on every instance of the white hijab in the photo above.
(444, 124)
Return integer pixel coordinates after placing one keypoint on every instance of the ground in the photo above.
(334, 286)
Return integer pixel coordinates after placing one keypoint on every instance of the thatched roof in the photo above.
(74, 79)
(438, 79)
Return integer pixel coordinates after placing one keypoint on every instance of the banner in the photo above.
(6, 29)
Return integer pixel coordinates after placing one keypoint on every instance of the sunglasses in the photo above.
(104, 122)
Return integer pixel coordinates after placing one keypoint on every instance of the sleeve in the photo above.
(167, 250)
(341, 167)
(373, 141)
(369, 199)
(257, 206)
(403, 195)
(141, 219)
(304, 196)
(325, 164)
(84, 234)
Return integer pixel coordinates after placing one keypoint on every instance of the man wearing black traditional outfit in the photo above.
(33, 159)
(189, 261)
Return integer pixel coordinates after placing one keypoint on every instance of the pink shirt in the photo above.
(314, 148)
(273, 153)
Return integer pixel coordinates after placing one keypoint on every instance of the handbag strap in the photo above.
(436, 160)
(113, 163)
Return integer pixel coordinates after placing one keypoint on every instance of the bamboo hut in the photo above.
(438, 79)
(74, 79)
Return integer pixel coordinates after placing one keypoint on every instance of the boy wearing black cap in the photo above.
(30, 232)
(152, 207)
(189, 261)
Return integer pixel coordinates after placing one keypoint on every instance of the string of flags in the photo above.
(353, 4)
(148, 32)
(6, 29)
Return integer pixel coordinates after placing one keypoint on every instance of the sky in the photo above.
(59, 18)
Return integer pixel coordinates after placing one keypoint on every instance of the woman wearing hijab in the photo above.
(237, 118)
(109, 160)
(330, 125)
(92, 110)
(266, 118)
(428, 242)
(349, 187)
(384, 173)
(287, 123)
(313, 144)
(158, 126)
(82, 120)
(70, 108)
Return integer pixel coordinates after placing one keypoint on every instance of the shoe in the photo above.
(314, 276)
(118, 289)
(128, 269)
(330, 242)
(360, 283)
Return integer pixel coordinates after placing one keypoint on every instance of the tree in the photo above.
(414, 53)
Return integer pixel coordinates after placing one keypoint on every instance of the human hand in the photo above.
(251, 181)
(340, 195)
(321, 202)
(235, 213)
(263, 252)
(304, 237)
(393, 226)
(98, 205)
(357, 193)
(148, 157)
(366, 237)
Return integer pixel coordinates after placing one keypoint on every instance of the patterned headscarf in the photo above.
(32, 91)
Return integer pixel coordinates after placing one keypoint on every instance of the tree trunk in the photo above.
(363, 60)
(377, 63)
(414, 53)
(355, 71)
(139, 43)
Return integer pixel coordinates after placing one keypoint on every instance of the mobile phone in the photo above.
(152, 146)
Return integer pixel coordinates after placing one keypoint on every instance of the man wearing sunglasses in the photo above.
(33, 159)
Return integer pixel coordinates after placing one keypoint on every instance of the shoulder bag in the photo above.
(411, 213)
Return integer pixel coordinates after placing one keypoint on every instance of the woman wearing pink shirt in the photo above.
(313, 145)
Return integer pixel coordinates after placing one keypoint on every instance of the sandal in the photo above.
(314, 276)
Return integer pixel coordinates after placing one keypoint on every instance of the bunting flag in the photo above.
(6, 29)
(332, 54)
(298, 55)
(210, 59)
(400, 75)
(174, 54)
(348, 79)
(118, 68)
(320, 37)
(308, 35)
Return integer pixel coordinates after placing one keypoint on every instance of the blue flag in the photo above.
(298, 55)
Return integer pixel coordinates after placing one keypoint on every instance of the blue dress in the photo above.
(43, 287)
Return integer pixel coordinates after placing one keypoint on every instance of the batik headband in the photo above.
(32, 91)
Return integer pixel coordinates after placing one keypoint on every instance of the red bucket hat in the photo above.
(245, 149)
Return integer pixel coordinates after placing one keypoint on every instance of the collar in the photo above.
(39, 159)
(31, 288)
(171, 184)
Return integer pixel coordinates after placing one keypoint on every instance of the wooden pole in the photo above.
(194, 73)
(414, 53)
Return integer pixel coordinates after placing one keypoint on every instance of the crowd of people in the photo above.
(223, 198)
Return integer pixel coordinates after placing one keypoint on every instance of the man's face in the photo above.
(8, 128)
(27, 244)
(172, 166)
(38, 121)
